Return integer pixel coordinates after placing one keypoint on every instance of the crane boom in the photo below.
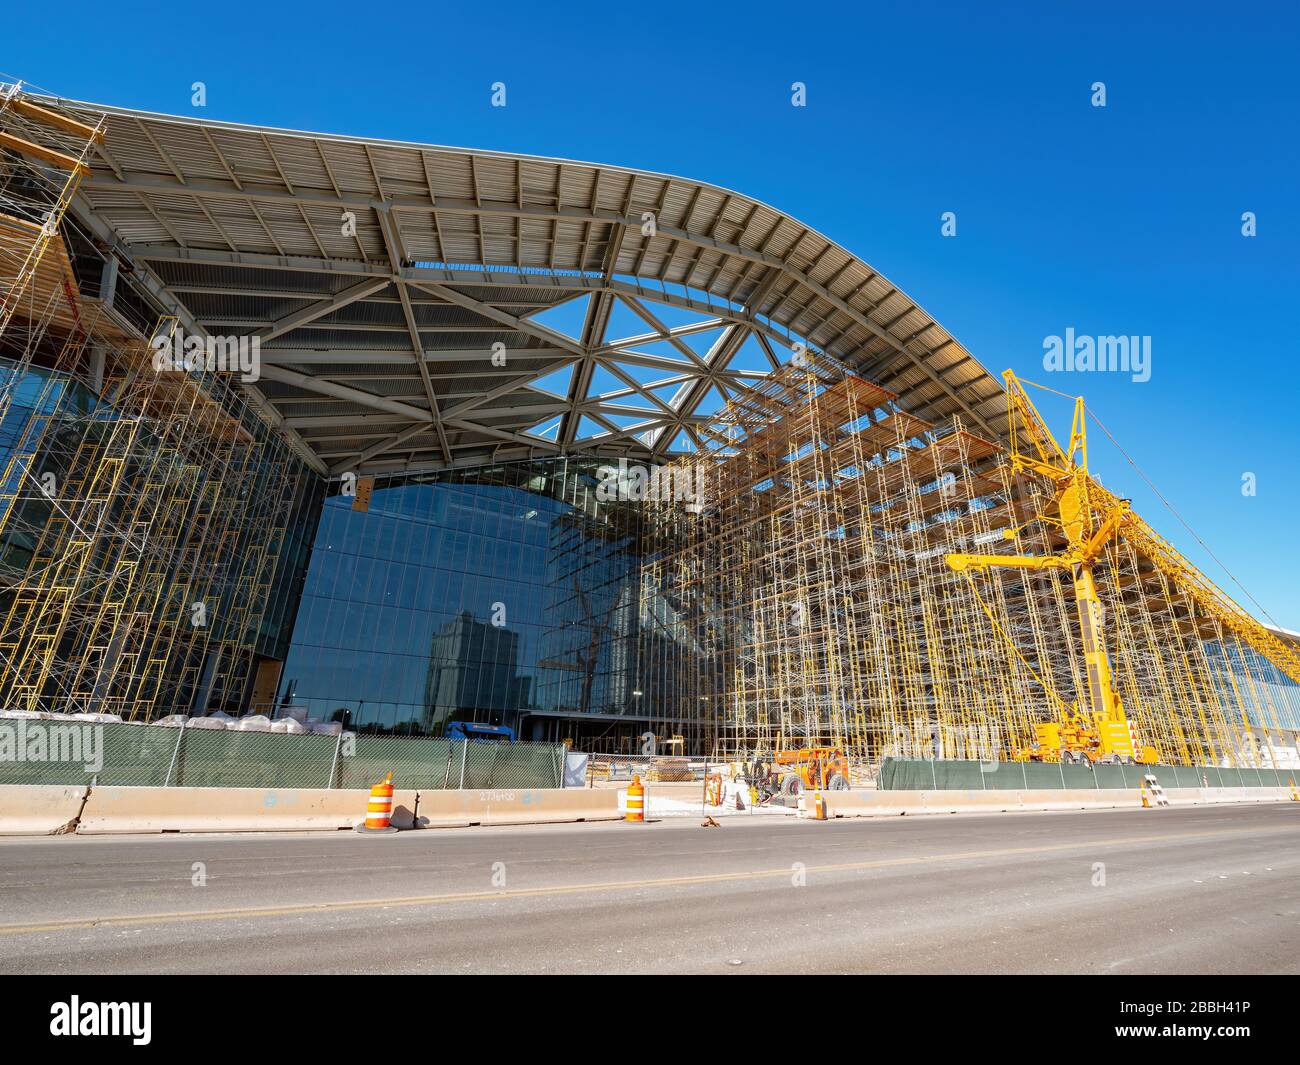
(1092, 518)
(1212, 600)
(1097, 727)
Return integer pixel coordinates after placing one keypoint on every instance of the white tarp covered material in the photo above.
(219, 720)
(575, 769)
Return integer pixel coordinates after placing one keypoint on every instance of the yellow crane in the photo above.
(1096, 727)
(1091, 517)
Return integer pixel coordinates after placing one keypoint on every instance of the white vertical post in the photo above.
(180, 735)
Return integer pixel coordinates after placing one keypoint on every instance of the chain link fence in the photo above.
(77, 752)
(660, 769)
(903, 774)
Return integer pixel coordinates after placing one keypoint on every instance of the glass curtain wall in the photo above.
(507, 595)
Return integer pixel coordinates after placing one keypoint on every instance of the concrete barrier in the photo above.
(866, 803)
(669, 798)
(996, 801)
(1206, 796)
(1191, 796)
(46, 810)
(110, 810)
(517, 806)
(1079, 799)
(39, 809)
(896, 803)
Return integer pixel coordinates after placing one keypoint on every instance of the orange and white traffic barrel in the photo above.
(635, 800)
(379, 812)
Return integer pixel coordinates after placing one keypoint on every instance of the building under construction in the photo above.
(144, 515)
(299, 420)
(816, 571)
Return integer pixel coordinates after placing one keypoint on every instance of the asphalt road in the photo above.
(1191, 890)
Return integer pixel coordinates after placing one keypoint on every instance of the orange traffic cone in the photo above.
(1295, 795)
(635, 800)
(379, 812)
(819, 807)
(1146, 800)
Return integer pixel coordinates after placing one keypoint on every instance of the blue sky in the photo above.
(1117, 220)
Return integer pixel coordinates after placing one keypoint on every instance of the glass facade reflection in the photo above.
(507, 595)
(1244, 672)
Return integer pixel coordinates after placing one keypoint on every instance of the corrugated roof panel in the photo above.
(463, 207)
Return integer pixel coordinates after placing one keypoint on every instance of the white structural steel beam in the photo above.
(447, 205)
(397, 257)
(458, 253)
(154, 286)
(337, 391)
(318, 310)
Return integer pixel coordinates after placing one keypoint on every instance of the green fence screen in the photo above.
(906, 774)
(34, 751)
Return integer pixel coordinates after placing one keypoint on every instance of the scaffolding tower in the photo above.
(143, 509)
(811, 577)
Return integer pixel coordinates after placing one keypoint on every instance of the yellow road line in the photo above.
(616, 885)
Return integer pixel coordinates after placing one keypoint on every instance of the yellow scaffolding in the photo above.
(809, 578)
(142, 510)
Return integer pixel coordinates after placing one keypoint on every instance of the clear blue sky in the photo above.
(1122, 220)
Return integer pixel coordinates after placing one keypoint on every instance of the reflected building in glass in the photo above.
(473, 674)
(509, 595)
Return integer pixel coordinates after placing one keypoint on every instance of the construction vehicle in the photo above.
(811, 768)
(1076, 738)
(1095, 728)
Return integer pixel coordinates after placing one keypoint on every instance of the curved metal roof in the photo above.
(377, 336)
